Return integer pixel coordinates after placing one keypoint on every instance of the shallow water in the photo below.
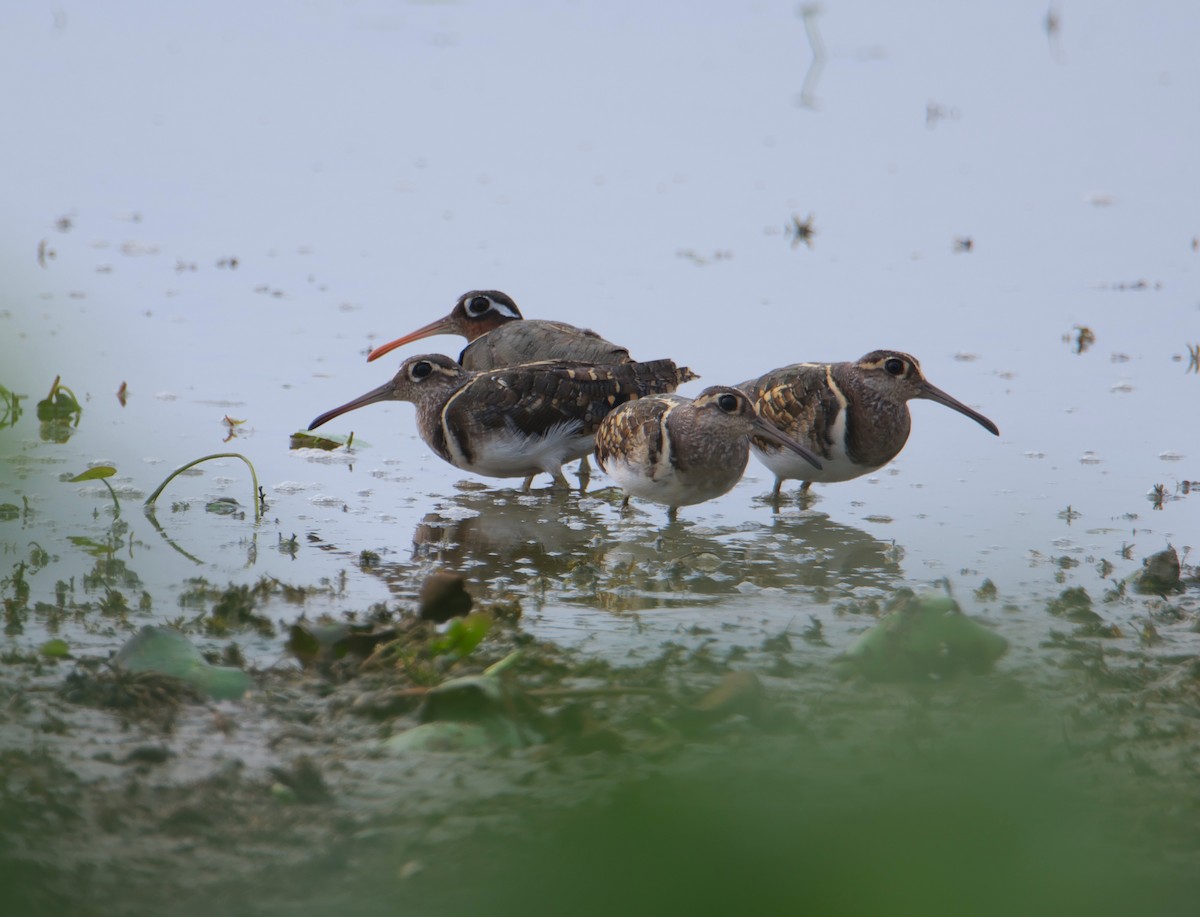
(222, 208)
(366, 163)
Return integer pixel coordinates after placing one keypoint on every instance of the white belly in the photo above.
(509, 454)
(670, 489)
(786, 465)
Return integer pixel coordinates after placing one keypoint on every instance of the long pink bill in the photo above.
(441, 326)
(767, 430)
(383, 393)
(933, 393)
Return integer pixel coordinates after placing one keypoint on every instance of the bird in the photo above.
(498, 335)
(517, 421)
(680, 451)
(853, 415)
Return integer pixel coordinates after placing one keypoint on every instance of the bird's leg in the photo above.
(585, 474)
(805, 496)
(528, 484)
(625, 508)
(776, 494)
(672, 514)
(560, 478)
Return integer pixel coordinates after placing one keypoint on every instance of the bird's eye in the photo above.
(727, 403)
(479, 305)
(421, 369)
(894, 365)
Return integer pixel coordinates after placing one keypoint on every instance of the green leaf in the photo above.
(10, 407)
(95, 548)
(94, 474)
(302, 439)
(168, 652)
(463, 635)
(62, 406)
(55, 649)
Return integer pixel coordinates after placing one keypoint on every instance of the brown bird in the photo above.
(518, 421)
(500, 336)
(854, 416)
(679, 451)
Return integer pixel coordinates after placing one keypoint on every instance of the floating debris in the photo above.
(1160, 574)
(327, 441)
(801, 231)
(1075, 605)
(1083, 338)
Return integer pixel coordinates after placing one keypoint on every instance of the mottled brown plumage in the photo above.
(678, 451)
(500, 336)
(517, 421)
(854, 416)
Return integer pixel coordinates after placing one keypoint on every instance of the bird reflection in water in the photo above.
(508, 539)
(827, 554)
(568, 551)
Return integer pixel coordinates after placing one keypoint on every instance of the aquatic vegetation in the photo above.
(165, 651)
(1160, 573)
(302, 439)
(10, 407)
(924, 637)
(59, 413)
(255, 493)
(100, 473)
(462, 635)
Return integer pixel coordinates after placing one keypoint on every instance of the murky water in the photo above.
(224, 212)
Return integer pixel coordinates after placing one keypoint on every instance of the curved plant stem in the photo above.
(158, 528)
(150, 500)
(116, 503)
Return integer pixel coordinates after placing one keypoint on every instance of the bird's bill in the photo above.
(383, 393)
(933, 393)
(767, 430)
(441, 326)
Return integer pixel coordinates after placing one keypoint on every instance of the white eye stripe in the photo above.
(480, 305)
(503, 309)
